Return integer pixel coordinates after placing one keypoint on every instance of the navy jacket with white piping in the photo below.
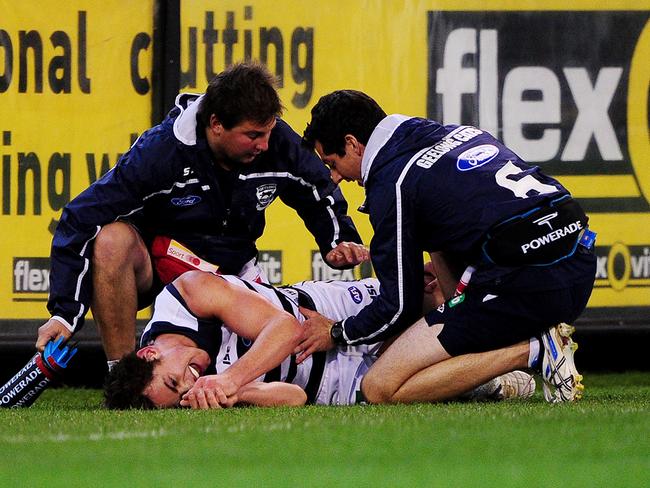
(433, 188)
(168, 184)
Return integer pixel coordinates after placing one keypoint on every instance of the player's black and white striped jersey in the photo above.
(327, 378)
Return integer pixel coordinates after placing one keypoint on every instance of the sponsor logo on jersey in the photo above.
(372, 292)
(355, 293)
(187, 201)
(226, 358)
(265, 195)
(476, 157)
(554, 235)
(456, 300)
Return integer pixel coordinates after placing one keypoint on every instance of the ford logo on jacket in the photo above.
(186, 201)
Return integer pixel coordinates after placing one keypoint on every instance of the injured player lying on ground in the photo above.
(219, 341)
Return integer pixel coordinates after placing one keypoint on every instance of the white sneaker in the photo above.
(516, 384)
(562, 382)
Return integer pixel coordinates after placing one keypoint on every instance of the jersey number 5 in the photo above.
(521, 187)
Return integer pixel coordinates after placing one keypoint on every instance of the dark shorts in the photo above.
(484, 319)
(148, 297)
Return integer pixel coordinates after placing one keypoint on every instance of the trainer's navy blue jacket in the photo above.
(168, 184)
(431, 188)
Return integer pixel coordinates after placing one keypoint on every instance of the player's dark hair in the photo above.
(126, 381)
(340, 113)
(243, 91)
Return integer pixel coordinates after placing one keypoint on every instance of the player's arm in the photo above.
(274, 394)
(275, 332)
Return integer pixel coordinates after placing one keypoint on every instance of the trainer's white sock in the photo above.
(533, 352)
(111, 363)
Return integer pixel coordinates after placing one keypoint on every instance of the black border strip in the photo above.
(165, 77)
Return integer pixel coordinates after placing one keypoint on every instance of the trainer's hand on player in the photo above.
(316, 335)
(212, 391)
(52, 329)
(347, 254)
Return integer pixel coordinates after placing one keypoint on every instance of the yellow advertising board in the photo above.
(564, 85)
(75, 82)
(567, 89)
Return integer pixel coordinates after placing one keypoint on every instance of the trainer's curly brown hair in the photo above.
(125, 383)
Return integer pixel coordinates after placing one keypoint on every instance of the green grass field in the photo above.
(67, 439)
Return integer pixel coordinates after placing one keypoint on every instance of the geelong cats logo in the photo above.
(265, 195)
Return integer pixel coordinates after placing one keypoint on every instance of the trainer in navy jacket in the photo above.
(167, 184)
(435, 188)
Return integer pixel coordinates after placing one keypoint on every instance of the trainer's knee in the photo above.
(375, 390)
(117, 242)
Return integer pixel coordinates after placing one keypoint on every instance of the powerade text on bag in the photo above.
(539, 237)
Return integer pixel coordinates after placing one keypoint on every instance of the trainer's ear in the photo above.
(215, 125)
(353, 142)
(148, 353)
(356, 147)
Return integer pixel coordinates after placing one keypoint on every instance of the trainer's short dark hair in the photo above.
(126, 381)
(242, 92)
(340, 113)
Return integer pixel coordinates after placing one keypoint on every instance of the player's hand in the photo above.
(52, 329)
(212, 391)
(316, 335)
(347, 254)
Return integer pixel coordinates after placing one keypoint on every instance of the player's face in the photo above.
(175, 372)
(242, 143)
(346, 167)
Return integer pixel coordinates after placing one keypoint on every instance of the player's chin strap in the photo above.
(43, 368)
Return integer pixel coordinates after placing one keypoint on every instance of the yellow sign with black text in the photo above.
(75, 81)
(566, 89)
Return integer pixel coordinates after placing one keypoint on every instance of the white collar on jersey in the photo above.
(379, 137)
(185, 123)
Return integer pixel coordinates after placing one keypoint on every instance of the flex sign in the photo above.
(557, 87)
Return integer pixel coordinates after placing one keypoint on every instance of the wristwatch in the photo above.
(336, 333)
